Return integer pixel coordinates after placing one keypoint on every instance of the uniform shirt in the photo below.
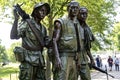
(28, 37)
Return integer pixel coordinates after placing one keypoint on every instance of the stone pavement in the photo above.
(96, 75)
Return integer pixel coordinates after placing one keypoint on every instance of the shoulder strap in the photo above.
(77, 37)
(36, 33)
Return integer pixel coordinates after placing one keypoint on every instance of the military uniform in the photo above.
(32, 64)
(34, 37)
(86, 39)
(67, 47)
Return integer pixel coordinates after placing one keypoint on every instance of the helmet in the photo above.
(40, 5)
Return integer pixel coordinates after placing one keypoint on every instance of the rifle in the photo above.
(26, 18)
(101, 70)
(21, 12)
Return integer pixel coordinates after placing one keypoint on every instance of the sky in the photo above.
(5, 29)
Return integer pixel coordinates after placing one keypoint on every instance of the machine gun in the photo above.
(26, 17)
(103, 71)
(21, 12)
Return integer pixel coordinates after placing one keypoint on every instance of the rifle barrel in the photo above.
(96, 68)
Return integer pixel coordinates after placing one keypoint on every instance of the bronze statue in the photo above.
(86, 39)
(65, 44)
(34, 36)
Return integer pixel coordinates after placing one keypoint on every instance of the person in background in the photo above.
(101, 64)
(117, 62)
(98, 61)
(110, 63)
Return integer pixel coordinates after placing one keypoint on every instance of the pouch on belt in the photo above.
(19, 53)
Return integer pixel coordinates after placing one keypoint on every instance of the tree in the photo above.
(115, 38)
(101, 13)
(3, 54)
(11, 56)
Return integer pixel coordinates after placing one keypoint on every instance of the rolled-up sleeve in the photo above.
(22, 28)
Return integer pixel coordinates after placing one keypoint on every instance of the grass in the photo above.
(4, 72)
(8, 70)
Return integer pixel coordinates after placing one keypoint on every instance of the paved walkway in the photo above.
(96, 75)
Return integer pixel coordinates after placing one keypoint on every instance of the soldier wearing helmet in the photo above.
(30, 54)
(37, 8)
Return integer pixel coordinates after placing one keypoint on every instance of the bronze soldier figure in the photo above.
(85, 41)
(30, 53)
(65, 44)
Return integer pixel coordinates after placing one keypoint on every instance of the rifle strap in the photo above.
(77, 37)
(37, 34)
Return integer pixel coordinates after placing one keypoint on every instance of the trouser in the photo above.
(29, 72)
(110, 66)
(117, 67)
(48, 68)
(83, 67)
(84, 72)
(68, 71)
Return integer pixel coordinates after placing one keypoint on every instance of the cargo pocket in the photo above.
(19, 53)
(24, 72)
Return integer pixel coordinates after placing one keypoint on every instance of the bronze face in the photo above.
(40, 12)
(73, 8)
(83, 13)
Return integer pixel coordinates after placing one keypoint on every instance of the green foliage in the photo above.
(100, 18)
(11, 56)
(58, 9)
(3, 54)
(116, 36)
(6, 71)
